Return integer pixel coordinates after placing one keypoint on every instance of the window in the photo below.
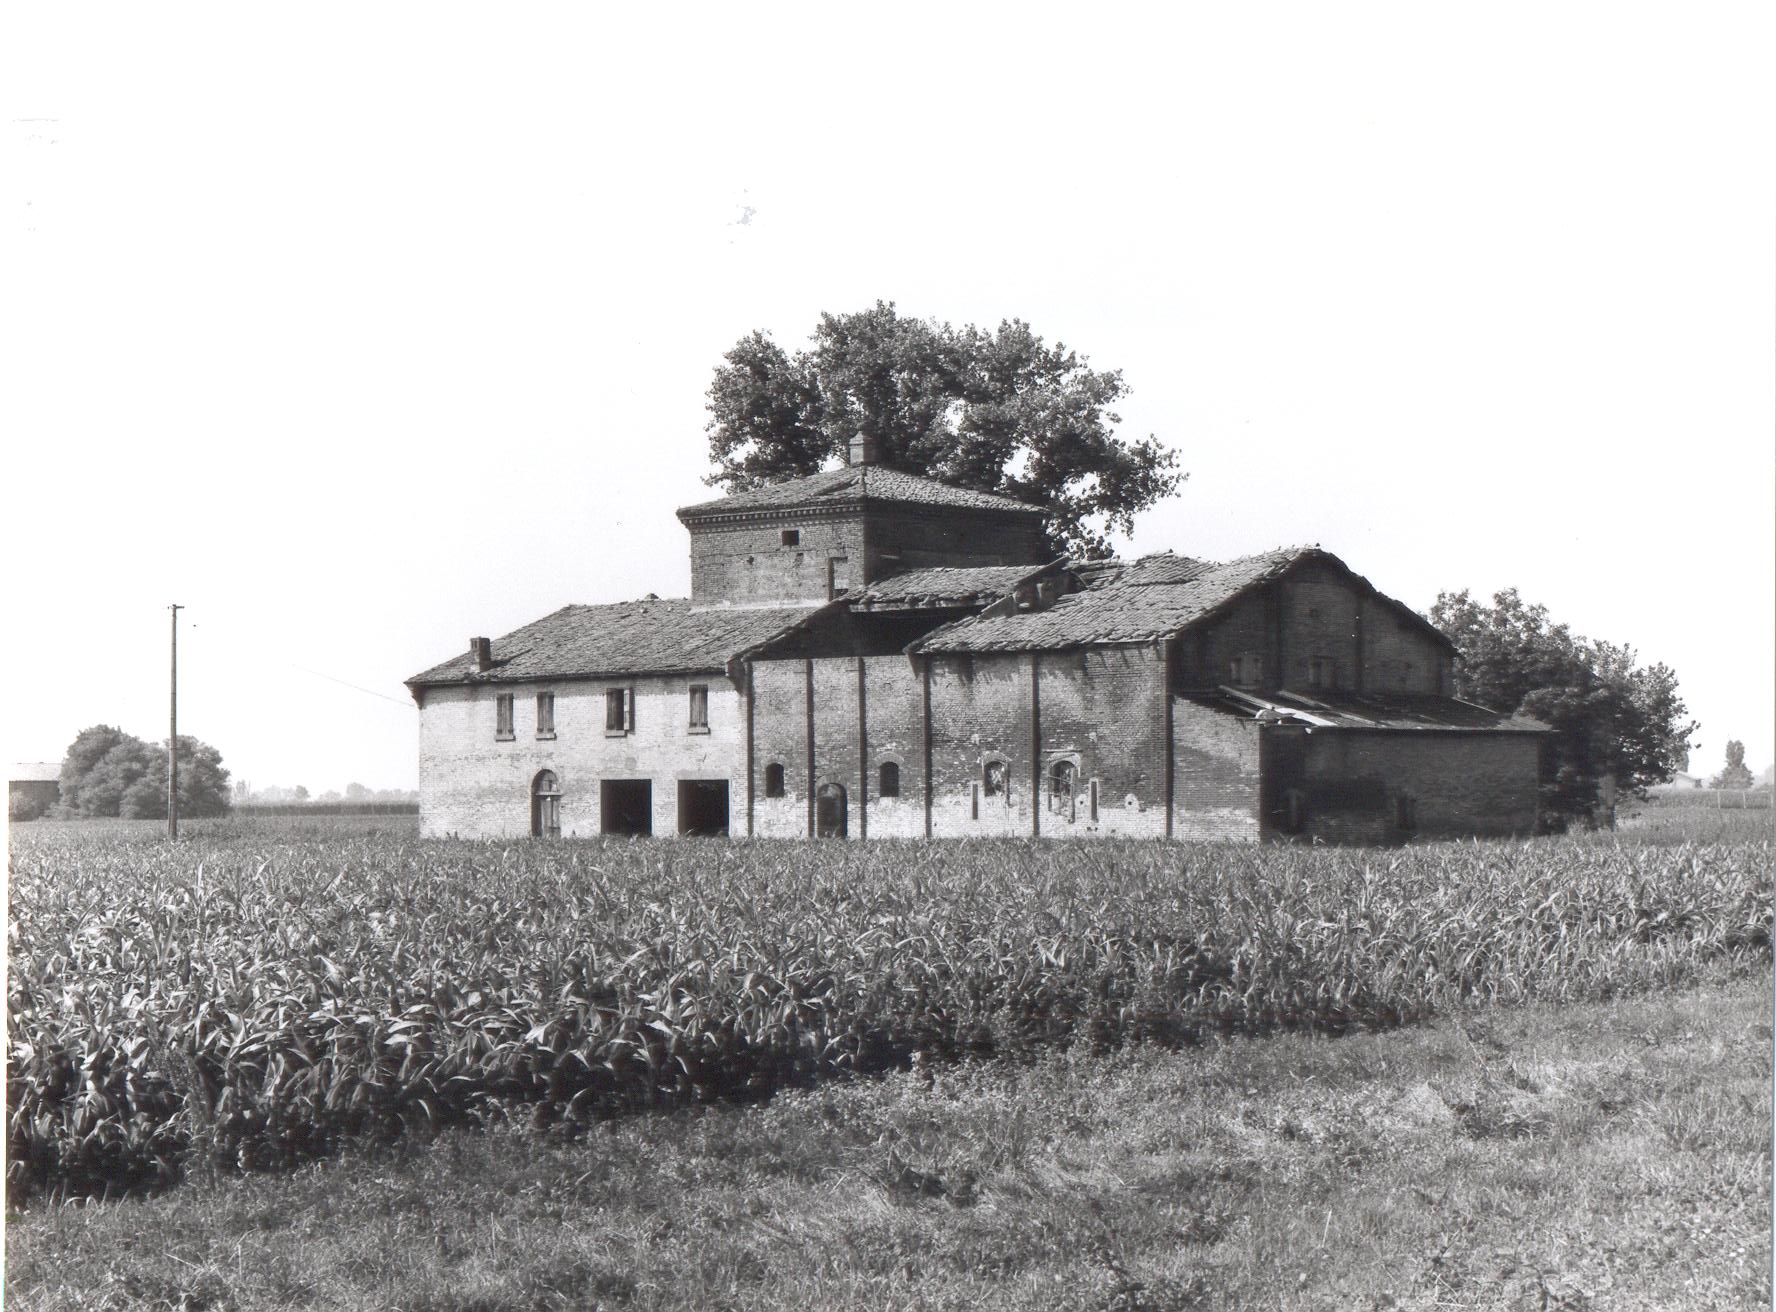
(790, 537)
(619, 710)
(993, 776)
(1247, 669)
(888, 780)
(1322, 672)
(1061, 777)
(502, 717)
(838, 575)
(774, 780)
(699, 708)
(545, 715)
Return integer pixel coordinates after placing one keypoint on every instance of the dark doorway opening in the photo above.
(626, 806)
(545, 806)
(829, 811)
(703, 808)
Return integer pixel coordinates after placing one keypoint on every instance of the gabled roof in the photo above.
(852, 484)
(945, 586)
(651, 636)
(1144, 601)
(1367, 710)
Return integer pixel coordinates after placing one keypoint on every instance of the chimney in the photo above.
(481, 653)
(863, 450)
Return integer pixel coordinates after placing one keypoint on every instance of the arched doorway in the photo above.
(829, 811)
(545, 806)
(1063, 789)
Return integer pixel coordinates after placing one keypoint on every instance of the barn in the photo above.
(870, 654)
(32, 787)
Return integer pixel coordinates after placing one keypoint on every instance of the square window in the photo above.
(502, 716)
(545, 715)
(838, 576)
(790, 537)
(699, 708)
(1247, 669)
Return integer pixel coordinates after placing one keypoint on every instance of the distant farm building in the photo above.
(38, 781)
(866, 653)
(1678, 783)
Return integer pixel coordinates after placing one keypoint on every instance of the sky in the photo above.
(361, 330)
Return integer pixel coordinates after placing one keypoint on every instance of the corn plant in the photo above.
(249, 999)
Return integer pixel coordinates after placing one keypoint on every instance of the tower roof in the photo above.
(853, 485)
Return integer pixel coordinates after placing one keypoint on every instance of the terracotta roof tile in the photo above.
(635, 637)
(1146, 600)
(944, 586)
(856, 483)
(1143, 601)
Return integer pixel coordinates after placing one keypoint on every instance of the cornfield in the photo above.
(249, 1000)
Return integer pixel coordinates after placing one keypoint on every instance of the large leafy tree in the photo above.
(1736, 774)
(107, 772)
(998, 411)
(1610, 715)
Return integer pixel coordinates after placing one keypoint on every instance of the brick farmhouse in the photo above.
(866, 653)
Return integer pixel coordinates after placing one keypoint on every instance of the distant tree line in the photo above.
(355, 794)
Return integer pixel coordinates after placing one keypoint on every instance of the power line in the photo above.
(232, 640)
(354, 687)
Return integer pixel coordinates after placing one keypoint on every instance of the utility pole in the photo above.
(173, 736)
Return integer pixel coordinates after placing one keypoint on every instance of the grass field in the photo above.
(255, 999)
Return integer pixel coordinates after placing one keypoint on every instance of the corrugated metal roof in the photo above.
(856, 483)
(1349, 710)
(651, 636)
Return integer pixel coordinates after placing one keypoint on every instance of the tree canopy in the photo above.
(1736, 774)
(998, 411)
(1610, 715)
(108, 772)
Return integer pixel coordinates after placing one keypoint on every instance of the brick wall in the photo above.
(1317, 611)
(1215, 774)
(916, 537)
(980, 712)
(895, 719)
(780, 736)
(748, 561)
(1399, 657)
(474, 786)
(1458, 784)
(1103, 709)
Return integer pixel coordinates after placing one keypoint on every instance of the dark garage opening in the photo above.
(703, 807)
(626, 806)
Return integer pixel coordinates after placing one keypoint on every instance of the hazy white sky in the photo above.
(362, 329)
